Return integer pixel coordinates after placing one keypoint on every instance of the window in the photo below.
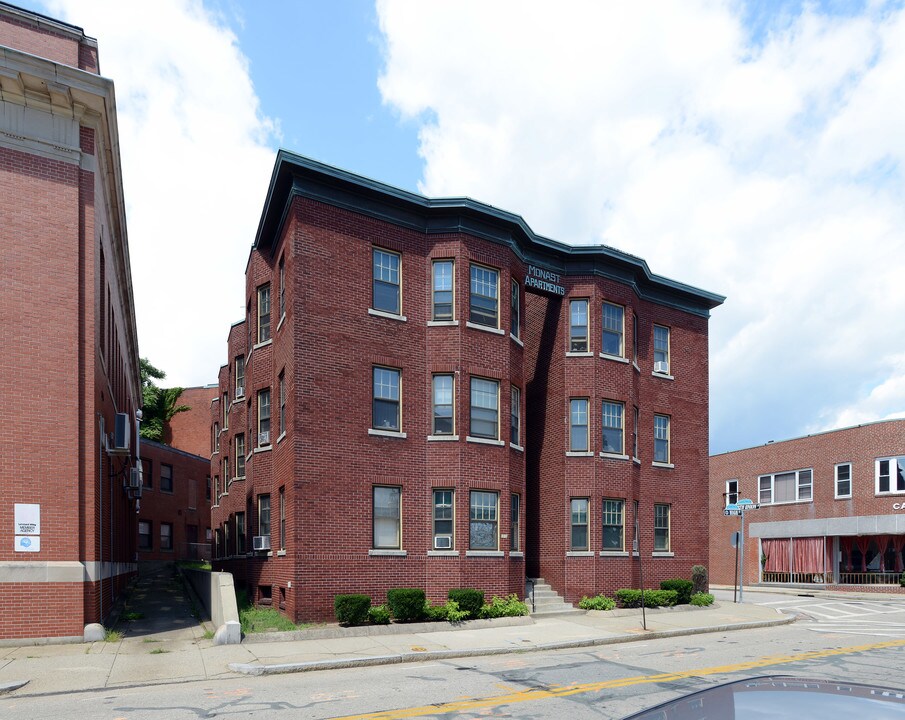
(282, 287)
(217, 488)
(147, 476)
(166, 478)
(443, 422)
(144, 535)
(442, 293)
(225, 404)
(264, 313)
(637, 419)
(240, 376)
(240, 455)
(635, 338)
(387, 296)
(661, 528)
(385, 409)
(485, 396)
(785, 487)
(578, 425)
(264, 515)
(264, 417)
(282, 518)
(240, 533)
(661, 438)
(613, 319)
(612, 427)
(578, 325)
(215, 439)
(207, 488)
(483, 308)
(731, 492)
(579, 512)
(282, 427)
(443, 520)
(515, 316)
(661, 349)
(890, 475)
(515, 419)
(515, 527)
(483, 520)
(166, 536)
(843, 480)
(387, 535)
(613, 525)
(227, 478)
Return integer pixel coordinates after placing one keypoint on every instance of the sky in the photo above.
(752, 149)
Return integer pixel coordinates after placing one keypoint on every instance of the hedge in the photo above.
(629, 598)
(597, 602)
(351, 609)
(702, 599)
(470, 600)
(406, 604)
(682, 587)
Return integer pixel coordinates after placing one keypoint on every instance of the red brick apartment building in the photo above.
(174, 514)
(66, 522)
(832, 510)
(425, 393)
(191, 430)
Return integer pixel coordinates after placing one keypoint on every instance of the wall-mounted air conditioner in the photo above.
(443, 542)
(261, 542)
(240, 391)
(122, 431)
(264, 438)
(135, 478)
(661, 367)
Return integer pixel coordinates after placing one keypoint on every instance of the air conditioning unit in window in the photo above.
(135, 478)
(661, 367)
(443, 542)
(119, 443)
(264, 438)
(240, 391)
(261, 542)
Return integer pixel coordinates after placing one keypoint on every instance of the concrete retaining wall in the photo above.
(217, 594)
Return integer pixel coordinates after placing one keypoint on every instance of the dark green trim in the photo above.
(298, 176)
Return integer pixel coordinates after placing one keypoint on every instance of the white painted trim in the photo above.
(387, 433)
(484, 328)
(387, 315)
(72, 571)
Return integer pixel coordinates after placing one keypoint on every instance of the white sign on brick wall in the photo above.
(28, 519)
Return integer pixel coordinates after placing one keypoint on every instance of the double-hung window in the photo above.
(240, 376)
(578, 325)
(579, 524)
(264, 515)
(387, 296)
(240, 533)
(282, 518)
(890, 475)
(613, 525)
(282, 427)
(485, 403)
(483, 308)
(264, 313)
(387, 519)
(442, 290)
(144, 534)
(443, 520)
(661, 528)
(515, 419)
(166, 536)
(731, 492)
(240, 455)
(785, 487)
(661, 349)
(661, 439)
(264, 417)
(844, 480)
(282, 288)
(443, 420)
(613, 329)
(215, 437)
(515, 311)
(635, 425)
(386, 403)
(516, 523)
(612, 427)
(483, 520)
(166, 478)
(578, 425)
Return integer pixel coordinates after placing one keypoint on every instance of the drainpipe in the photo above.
(100, 494)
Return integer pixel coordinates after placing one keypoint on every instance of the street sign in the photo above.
(745, 501)
(727, 511)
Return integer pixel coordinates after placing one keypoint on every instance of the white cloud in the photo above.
(196, 163)
(770, 172)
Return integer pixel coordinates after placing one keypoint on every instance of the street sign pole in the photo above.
(741, 572)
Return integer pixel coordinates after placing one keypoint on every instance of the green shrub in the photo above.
(629, 598)
(902, 579)
(702, 599)
(406, 604)
(598, 602)
(470, 600)
(351, 609)
(434, 613)
(699, 581)
(453, 613)
(682, 587)
(379, 615)
(509, 606)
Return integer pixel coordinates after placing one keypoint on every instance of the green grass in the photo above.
(112, 636)
(150, 640)
(255, 620)
(195, 565)
(131, 616)
(158, 651)
(208, 635)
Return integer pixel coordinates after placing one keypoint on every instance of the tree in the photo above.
(160, 404)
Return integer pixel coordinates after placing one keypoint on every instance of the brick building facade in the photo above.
(66, 550)
(425, 393)
(191, 430)
(832, 509)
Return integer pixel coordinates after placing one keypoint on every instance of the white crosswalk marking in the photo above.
(848, 617)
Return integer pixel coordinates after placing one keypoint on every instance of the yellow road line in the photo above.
(567, 690)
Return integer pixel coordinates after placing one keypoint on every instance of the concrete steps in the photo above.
(547, 602)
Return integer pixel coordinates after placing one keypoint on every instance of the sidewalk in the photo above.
(185, 655)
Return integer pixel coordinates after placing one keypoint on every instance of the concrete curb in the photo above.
(13, 685)
(340, 663)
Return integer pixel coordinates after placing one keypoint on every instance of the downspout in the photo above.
(100, 494)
